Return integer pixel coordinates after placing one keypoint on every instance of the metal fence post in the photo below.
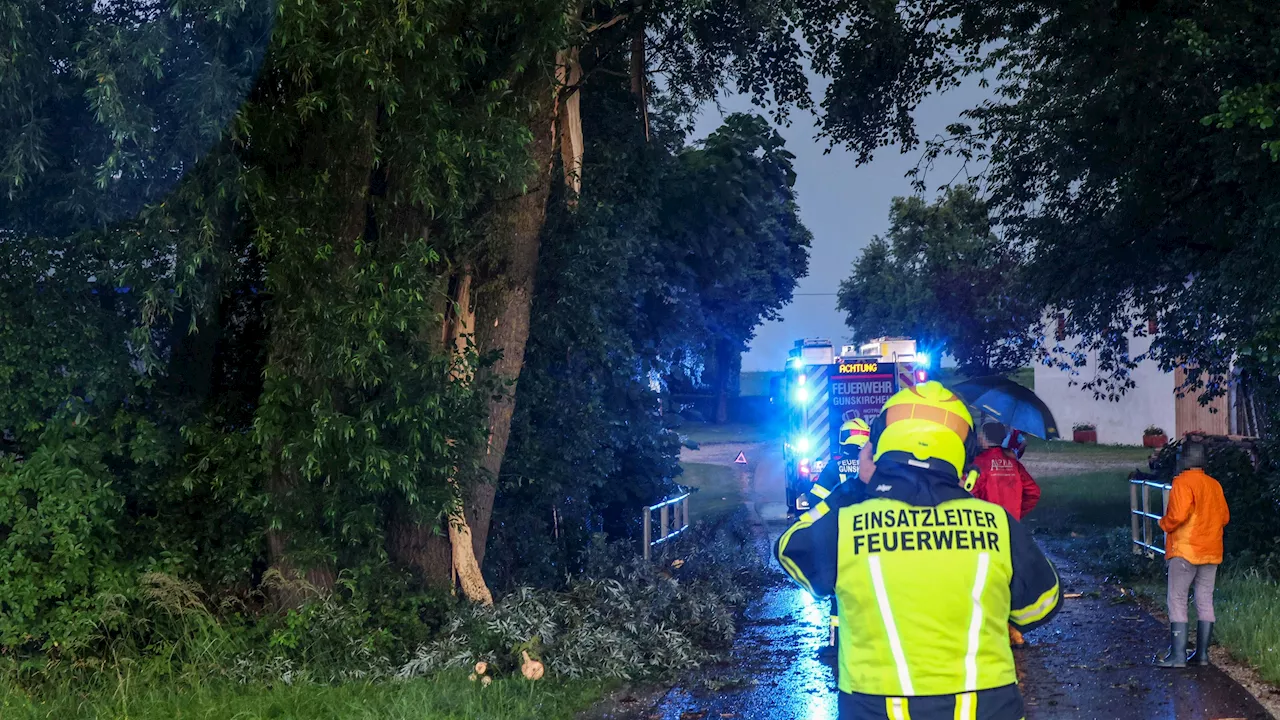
(648, 532)
(1133, 516)
(1146, 515)
(1164, 509)
(664, 516)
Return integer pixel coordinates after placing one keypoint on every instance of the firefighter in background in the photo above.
(842, 469)
(853, 435)
(927, 576)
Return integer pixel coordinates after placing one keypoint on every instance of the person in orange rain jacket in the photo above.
(1193, 522)
(1003, 480)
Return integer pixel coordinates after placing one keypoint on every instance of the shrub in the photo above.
(1152, 431)
(624, 619)
(58, 570)
(1084, 427)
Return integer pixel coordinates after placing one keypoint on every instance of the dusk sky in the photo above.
(843, 205)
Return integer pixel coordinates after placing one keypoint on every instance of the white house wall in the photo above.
(1118, 423)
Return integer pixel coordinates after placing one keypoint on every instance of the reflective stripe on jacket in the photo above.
(927, 578)
(1194, 520)
(830, 478)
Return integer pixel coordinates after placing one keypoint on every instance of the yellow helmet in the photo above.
(928, 422)
(855, 432)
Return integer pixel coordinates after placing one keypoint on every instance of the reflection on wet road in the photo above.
(776, 670)
(1092, 661)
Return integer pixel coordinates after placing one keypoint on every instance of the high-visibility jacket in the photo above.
(1194, 520)
(927, 578)
(841, 469)
(838, 489)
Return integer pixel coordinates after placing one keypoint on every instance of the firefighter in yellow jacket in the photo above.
(927, 577)
(843, 468)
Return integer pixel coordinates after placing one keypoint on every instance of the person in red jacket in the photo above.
(1003, 480)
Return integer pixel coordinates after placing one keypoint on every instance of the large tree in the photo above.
(226, 273)
(1129, 151)
(738, 246)
(943, 277)
(268, 269)
(634, 270)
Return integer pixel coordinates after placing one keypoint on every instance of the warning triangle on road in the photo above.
(741, 459)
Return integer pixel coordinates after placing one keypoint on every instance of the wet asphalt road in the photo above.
(1092, 661)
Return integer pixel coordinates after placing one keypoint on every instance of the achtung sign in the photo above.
(859, 390)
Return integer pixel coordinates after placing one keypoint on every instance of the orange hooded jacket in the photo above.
(1195, 517)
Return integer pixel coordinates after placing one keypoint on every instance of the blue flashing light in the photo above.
(922, 359)
(796, 362)
(802, 379)
(802, 444)
(802, 396)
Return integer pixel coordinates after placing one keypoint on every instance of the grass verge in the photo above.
(449, 696)
(1067, 449)
(1090, 502)
(719, 490)
(704, 433)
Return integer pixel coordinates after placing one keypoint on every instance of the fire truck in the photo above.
(823, 389)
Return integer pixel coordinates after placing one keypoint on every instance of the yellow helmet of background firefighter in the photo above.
(928, 422)
(855, 432)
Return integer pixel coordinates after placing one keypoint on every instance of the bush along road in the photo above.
(1093, 661)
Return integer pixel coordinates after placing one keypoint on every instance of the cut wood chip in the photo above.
(1072, 596)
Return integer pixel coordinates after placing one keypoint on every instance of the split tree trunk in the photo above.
(504, 298)
(466, 566)
(506, 274)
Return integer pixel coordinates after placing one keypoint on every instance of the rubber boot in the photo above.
(1204, 635)
(1177, 655)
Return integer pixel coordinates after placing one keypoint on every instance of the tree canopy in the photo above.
(267, 273)
(943, 277)
(1128, 153)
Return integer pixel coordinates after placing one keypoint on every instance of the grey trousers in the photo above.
(1182, 575)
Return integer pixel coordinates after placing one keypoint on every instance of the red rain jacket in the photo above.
(1004, 481)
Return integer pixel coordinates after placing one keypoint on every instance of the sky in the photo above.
(844, 206)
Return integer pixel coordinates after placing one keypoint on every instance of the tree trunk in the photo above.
(465, 563)
(504, 296)
(639, 79)
(728, 361)
(416, 546)
(569, 122)
(441, 559)
(347, 216)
